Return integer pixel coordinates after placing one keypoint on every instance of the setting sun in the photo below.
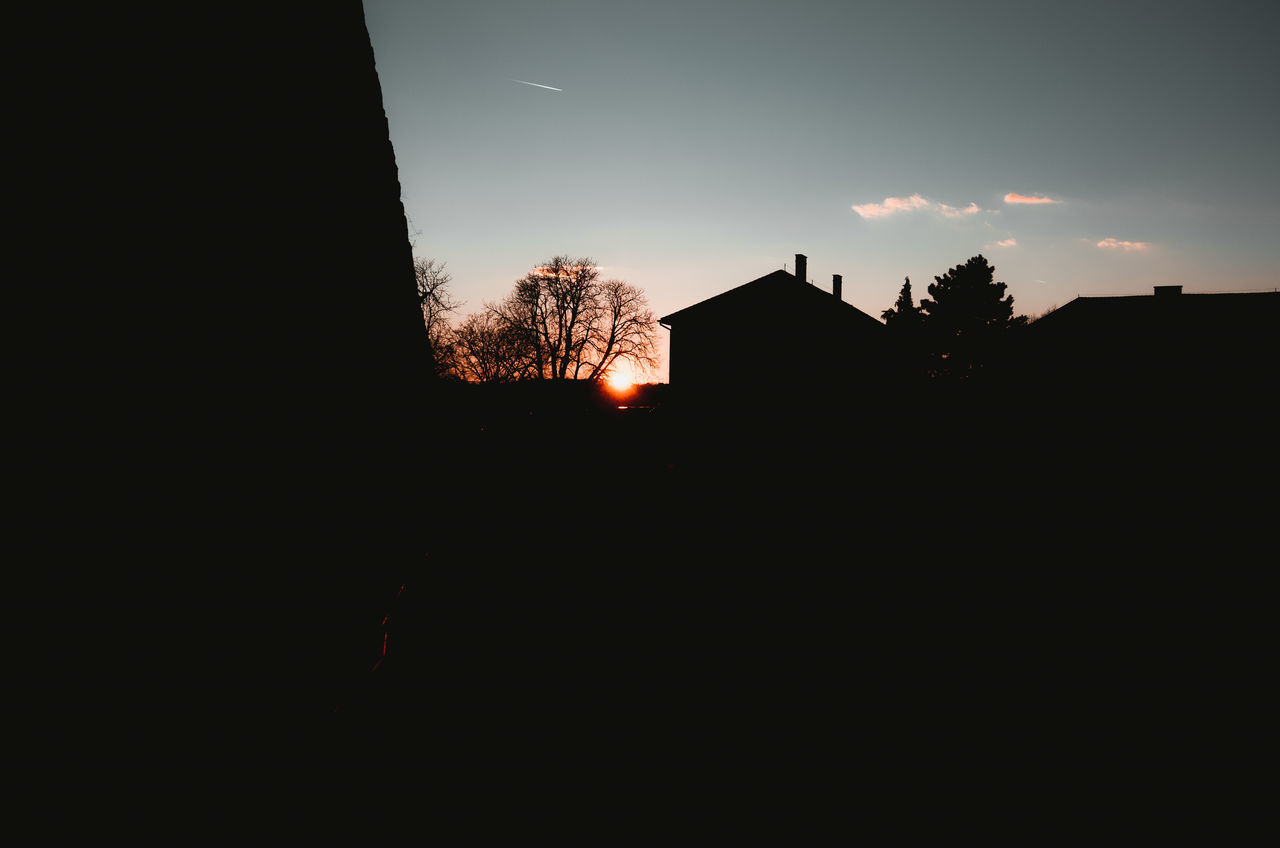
(620, 379)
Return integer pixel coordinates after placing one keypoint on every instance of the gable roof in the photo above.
(780, 287)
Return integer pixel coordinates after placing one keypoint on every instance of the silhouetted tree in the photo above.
(905, 323)
(437, 305)
(904, 313)
(625, 331)
(967, 317)
(487, 349)
(571, 325)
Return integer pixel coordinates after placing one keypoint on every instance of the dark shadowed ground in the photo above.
(982, 581)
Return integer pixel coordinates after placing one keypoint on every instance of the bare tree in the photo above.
(438, 304)
(551, 306)
(623, 330)
(487, 349)
(576, 326)
(522, 315)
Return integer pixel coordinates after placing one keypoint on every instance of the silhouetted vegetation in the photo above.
(487, 349)
(576, 326)
(963, 328)
(904, 315)
(438, 303)
(968, 319)
(560, 322)
(905, 322)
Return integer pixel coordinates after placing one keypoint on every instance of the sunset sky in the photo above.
(1084, 147)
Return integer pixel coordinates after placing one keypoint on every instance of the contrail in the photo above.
(539, 85)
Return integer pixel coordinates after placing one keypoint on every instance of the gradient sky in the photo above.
(698, 145)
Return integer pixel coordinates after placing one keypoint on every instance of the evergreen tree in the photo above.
(905, 325)
(967, 315)
(904, 313)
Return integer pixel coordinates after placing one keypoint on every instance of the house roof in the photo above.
(777, 287)
(1213, 309)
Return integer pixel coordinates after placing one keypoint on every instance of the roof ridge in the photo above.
(780, 276)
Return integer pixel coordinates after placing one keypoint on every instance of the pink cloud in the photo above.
(1124, 245)
(952, 212)
(1033, 199)
(894, 205)
(891, 206)
(1009, 242)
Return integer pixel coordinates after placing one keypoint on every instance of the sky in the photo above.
(1084, 148)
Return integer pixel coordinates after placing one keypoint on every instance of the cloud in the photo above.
(952, 212)
(1115, 244)
(891, 205)
(1033, 199)
(1009, 242)
(894, 205)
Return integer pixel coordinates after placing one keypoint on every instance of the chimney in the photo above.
(1168, 291)
(837, 284)
(802, 267)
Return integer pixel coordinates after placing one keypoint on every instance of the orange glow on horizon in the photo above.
(621, 378)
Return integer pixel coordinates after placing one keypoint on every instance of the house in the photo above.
(777, 333)
(1167, 341)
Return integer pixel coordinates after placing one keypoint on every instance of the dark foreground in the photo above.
(956, 579)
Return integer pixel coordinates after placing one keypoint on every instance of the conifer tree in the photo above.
(966, 316)
(904, 312)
